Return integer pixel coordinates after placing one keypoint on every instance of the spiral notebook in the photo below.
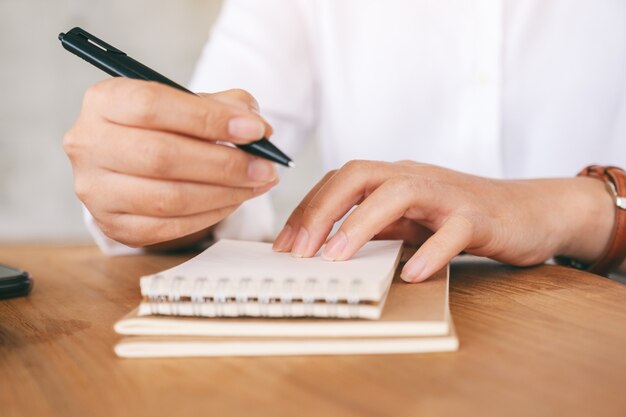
(415, 319)
(247, 279)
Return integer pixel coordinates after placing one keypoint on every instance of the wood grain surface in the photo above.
(543, 341)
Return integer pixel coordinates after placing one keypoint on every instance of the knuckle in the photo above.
(169, 201)
(420, 183)
(143, 98)
(299, 210)
(133, 238)
(244, 96)
(403, 184)
(357, 168)
(114, 227)
(116, 231)
(234, 166)
(124, 228)
(82, 188)
(158, 155)
(212, 116)
(439, 244)
(295, 218)
(314, 212)
(352, 165)
(237, 195)
(72, 145)
(96, 93)
(329, 175)
(406, 162)
(109, 228)
(468, 223)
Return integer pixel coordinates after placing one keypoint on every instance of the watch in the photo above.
(614, 253)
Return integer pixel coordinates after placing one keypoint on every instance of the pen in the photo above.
(116, 63)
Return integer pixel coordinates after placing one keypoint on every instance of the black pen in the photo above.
(116, 63)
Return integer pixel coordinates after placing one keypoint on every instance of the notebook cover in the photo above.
(171, 346)
(419, 309)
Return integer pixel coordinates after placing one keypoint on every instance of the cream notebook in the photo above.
(163, 347)
(411, 310)
(415, 319)
(241, 299)
(247, 279)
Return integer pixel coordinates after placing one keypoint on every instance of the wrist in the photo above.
(588, 218)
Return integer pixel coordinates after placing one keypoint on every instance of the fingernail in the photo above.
(413, 269)
(283, 239)
(264, 188)
(335, 246)
(301, 243)
(261, 171)
(243, 128)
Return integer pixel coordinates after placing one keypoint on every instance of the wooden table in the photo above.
(534, 342)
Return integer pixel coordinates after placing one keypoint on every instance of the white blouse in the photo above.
(498, 88)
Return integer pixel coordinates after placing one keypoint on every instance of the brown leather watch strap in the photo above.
(615, 252)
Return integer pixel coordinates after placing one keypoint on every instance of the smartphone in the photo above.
(14, 282)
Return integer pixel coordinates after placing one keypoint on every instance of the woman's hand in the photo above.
(518, 222)
(148, 166)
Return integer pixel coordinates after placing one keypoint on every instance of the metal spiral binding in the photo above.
(155, 295)
(242, 295)
(220, 299)
(308, 296)
(331, 290)
(197, 296)
(265, 296)
(353, 298)
(174, 295)
(286, 297)
(332, 297)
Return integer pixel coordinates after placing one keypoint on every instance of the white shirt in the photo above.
(498, 88)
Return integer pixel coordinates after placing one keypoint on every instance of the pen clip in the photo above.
(79, 34)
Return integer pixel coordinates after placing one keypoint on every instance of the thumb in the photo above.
(241, 100)
(237, 98)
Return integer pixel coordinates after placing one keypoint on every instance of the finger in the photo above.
(138, 231)
(405, 229)
(236, 97)
(284, 239)
(159, 198)
(156, 106)
(340, 194)
(447, 242)
(165, 155)
(383, 207)
(240, 99)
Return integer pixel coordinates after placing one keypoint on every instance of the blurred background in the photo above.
(41, 89)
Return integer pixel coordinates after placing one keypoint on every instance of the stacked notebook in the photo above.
(240, 298)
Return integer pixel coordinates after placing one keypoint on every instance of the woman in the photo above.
(489, 90)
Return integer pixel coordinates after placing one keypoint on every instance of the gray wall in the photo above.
(41, 87)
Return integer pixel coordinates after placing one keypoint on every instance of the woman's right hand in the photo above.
(147, 164)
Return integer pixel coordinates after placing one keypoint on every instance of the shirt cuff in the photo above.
(107, 245)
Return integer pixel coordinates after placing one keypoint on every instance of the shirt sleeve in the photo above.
(261, 47)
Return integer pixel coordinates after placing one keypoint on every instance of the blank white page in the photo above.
(231, 269)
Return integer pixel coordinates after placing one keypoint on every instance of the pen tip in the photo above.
(291, 164)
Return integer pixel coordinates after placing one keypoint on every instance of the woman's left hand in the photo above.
(521, 222)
